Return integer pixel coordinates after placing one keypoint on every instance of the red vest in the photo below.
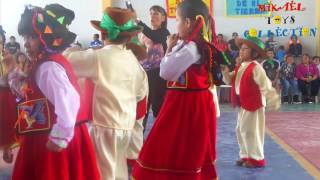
(196, 77)
(250, 95)
(37, 114)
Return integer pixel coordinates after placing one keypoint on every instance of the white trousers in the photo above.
(111, 147)
(250, 133)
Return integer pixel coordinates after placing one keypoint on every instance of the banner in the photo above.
(240, 8)
(172, 6)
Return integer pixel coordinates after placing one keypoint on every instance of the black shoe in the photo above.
(296, 99)
(312, 99)
(285, 100)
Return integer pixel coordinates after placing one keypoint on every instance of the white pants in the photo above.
(111, 147)
(136, 141)
(250, 133)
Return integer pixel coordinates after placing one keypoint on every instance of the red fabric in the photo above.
(131, 162)
(195, 78)
(257, 163)
(83, 113)
(8, 117)
(250, 95)
(181, 144)
(88, 97)
(141, 108)
(77, 162)
(234, 98)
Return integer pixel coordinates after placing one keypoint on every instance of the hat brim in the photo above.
(261, 53)
(96, 25)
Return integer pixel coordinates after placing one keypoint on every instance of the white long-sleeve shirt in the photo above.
(175, 63)
(54, 83)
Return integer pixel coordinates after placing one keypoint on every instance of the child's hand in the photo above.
(225, 68)
(172, 41)
(7, 155)
(53, 147)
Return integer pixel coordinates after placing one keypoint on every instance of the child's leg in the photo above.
(243, 149)
(252, 128)
(105, 140)
(123, 140)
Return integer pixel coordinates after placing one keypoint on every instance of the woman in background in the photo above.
(154, 39)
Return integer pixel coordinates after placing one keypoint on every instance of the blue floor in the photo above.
(280, 166)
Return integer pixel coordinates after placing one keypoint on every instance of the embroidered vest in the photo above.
(194, 78)
(36, 113)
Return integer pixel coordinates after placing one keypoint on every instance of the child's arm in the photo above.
(177, 62)
(83, 63)
(54, 83)
(266, 89)
(227, 75)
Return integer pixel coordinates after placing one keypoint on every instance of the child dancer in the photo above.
(55, 143)
(250, 89)
(181, 144)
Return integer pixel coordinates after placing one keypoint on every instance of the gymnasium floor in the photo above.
(292, 146)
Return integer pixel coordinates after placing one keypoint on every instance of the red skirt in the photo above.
(8, 117)
(77, 162)
(181, 144)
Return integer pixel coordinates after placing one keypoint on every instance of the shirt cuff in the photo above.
(61, 136)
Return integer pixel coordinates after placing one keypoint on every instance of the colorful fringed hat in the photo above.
(50, 25)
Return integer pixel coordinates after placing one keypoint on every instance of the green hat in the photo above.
(117, 22)
(254, 43)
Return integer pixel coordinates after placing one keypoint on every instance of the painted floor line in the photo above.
(310, 168)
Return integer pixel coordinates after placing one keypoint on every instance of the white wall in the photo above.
(85, 10)
(227, 25)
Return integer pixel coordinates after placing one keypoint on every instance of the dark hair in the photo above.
(192, 8)
(315, 57)
(96, 35)
(306, 54)
(234, 34)
(269, 49)
(163, 12)
(21, 54)
(281, 47)
(220, 35)
(289, 55)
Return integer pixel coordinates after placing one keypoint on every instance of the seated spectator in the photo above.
(233, 48)
(272, 68)
(96, 43)
(316, 61)
(222, 45)
(23, 63)
(288, 80)
(271, 43)
(295, 47)
(280, 54)
(307, 74)
(12, 47)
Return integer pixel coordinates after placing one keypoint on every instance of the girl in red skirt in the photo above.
(54, 142)
(181, 144)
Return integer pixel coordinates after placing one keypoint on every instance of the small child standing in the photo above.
(251, 88)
